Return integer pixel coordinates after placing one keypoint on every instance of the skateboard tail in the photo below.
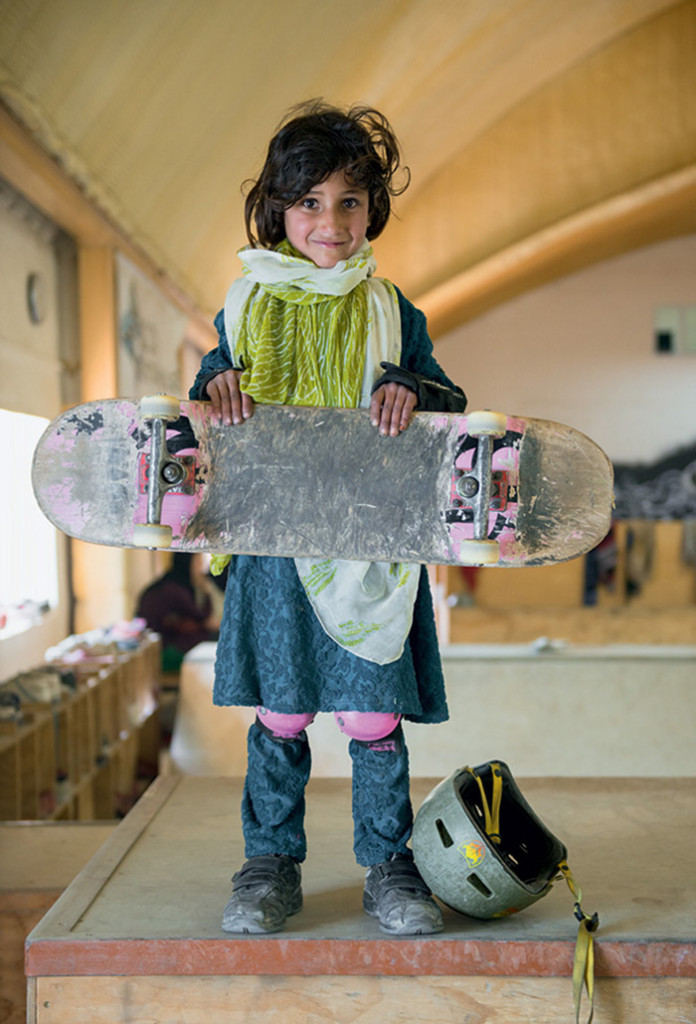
(566, 493)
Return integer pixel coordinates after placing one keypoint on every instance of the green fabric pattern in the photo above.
(319, 577)
(354, 633)
(301, 347)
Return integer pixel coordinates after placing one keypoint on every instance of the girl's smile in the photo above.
(330, 222)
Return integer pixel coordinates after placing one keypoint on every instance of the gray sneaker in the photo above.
(265, 892)
(396, 894)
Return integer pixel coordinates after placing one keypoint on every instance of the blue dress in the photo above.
(272, 649)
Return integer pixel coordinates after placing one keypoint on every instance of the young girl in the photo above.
(309, 324)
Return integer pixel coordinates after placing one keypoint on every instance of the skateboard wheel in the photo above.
(478, 552)
(485, 422)
(160, 407)
(152, 535)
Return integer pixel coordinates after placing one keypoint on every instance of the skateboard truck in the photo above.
(476, 486)
(165, 471)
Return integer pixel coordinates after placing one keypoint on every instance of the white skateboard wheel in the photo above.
(152, 535)
(159, 407)
(478, 552)
(485, 422)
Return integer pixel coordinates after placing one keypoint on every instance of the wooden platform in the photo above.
(137, 937)
(38, 860)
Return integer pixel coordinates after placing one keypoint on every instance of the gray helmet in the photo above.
(481, 848)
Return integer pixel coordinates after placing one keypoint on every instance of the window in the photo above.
(28, 547)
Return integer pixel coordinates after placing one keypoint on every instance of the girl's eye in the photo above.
(308, 203)
(351, 202)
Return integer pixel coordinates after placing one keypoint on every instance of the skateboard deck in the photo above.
(454, 489)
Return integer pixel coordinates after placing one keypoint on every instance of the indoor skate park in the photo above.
(549, 235)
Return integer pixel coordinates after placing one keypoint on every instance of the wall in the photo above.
(30, 381)
(72, 356)
(622, 711)
(37, 367)
(581, 351)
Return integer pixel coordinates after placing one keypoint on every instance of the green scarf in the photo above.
(302, 346)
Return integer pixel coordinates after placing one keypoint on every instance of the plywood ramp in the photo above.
(341, 1000)
(137, 937)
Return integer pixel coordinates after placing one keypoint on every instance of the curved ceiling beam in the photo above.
(598, 161)
(662, 209)
(516, 116)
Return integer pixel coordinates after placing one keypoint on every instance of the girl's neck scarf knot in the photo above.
(302, 340)
(286, 274)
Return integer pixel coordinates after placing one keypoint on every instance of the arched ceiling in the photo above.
(541, 134)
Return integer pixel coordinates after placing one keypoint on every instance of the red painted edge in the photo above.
(416, 957)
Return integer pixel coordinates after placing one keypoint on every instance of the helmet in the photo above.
(484, 859)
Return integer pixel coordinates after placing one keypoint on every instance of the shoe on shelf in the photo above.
(396, 894)
(265, 892)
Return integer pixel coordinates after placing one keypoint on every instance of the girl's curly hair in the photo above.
(313, 142)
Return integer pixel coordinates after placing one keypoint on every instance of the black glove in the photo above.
(432, 397)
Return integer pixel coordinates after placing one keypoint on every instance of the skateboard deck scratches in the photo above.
(353, 458)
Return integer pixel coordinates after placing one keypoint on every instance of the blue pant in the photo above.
(273, 805)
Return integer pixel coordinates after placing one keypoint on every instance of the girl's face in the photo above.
(330, 222)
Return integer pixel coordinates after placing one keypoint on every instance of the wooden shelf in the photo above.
(77, 758)
(27, 758)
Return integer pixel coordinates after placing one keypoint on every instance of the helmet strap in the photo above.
(583, 963)
(491, 812)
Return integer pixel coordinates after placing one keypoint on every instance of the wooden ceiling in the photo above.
(542, 135)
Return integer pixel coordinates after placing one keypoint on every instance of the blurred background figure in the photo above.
(180, 607)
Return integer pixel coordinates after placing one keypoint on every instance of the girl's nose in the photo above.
(332, 218)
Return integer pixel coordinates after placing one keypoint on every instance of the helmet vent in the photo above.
(479, 885)
(445, 838)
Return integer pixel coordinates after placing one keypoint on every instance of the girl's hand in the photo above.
(392, 407)
(230, 405)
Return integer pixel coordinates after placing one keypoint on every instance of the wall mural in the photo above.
(150, 333)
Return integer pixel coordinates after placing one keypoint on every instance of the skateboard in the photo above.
(482, 489)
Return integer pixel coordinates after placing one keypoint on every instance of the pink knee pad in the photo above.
(286, 727)
(367, 725)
